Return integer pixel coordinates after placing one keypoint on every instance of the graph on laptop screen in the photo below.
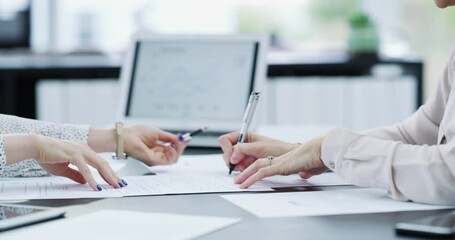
(195, 80)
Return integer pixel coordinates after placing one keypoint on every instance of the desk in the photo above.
(358, 226)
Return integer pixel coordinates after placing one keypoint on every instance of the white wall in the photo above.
(354, 102)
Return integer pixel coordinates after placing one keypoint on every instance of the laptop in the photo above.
(181, 83)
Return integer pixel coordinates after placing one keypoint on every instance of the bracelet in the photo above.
(120, 153)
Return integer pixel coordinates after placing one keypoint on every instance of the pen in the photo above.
(246, 121)
(187, 136)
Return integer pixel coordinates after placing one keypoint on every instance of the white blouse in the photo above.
(16, 125)
(413, 160)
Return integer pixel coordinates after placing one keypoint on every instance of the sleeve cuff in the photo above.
(334, 146)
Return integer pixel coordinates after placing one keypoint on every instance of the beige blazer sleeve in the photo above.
(413, 160)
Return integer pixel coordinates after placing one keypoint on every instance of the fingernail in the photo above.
(124, 182)
(180, 137)
(120, 184)
(172, 145)
(99, 187)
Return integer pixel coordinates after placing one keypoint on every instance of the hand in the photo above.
(255, 146)
(141, 142)
(305, 160)
(56, 155)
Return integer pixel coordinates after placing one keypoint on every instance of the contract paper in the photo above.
(316, 203)
(60, 188)
(121, 225)
(209, 164)
(194, 174)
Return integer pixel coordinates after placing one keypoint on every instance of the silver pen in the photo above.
(246, 121)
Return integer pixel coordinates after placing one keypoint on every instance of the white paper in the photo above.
(170, 183)
(315, 203)
(213, 165)
(121, 225)
(192, 174)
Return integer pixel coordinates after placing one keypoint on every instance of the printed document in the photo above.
(192, 174)
(316, 203)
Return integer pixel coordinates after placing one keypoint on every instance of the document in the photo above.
(121, 225)
(171, 183)
(192, 174)
(214, 163)
(316, 203)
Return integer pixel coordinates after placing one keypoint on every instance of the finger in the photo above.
(73, 175)
(237, 155)
(244, 164)
(227, 147)
(232, 137)
(148, 156)
(252, 169)
(305, 175)
(120, 182)
(180, 147)
(255, 149)
(160, 155)
(171, 155)
(85, 172)
(104, 169)
(167, 137)
(259, 175)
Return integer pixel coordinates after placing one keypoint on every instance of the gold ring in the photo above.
(270, 158)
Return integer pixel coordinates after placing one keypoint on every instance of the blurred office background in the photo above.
(301, 31)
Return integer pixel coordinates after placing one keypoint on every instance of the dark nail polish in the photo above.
(124, 182)
(99, 187)
(120, 184)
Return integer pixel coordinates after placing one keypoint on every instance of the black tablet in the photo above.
(437, 225)
(15, 215)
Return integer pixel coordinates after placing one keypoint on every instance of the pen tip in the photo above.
(231, 168)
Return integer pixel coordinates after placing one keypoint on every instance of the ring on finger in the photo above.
(270, 158)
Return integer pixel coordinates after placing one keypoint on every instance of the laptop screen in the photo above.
(199, 80)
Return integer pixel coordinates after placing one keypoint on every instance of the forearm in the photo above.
(20, 147)
(417, 130)
(102, 139)
(420, 173)
(17, 125)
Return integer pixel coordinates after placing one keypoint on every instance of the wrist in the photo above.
(20, 147)
(318, 146)
(102, 139)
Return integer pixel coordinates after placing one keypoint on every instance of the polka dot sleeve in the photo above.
(11, 125)
(2, 156)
